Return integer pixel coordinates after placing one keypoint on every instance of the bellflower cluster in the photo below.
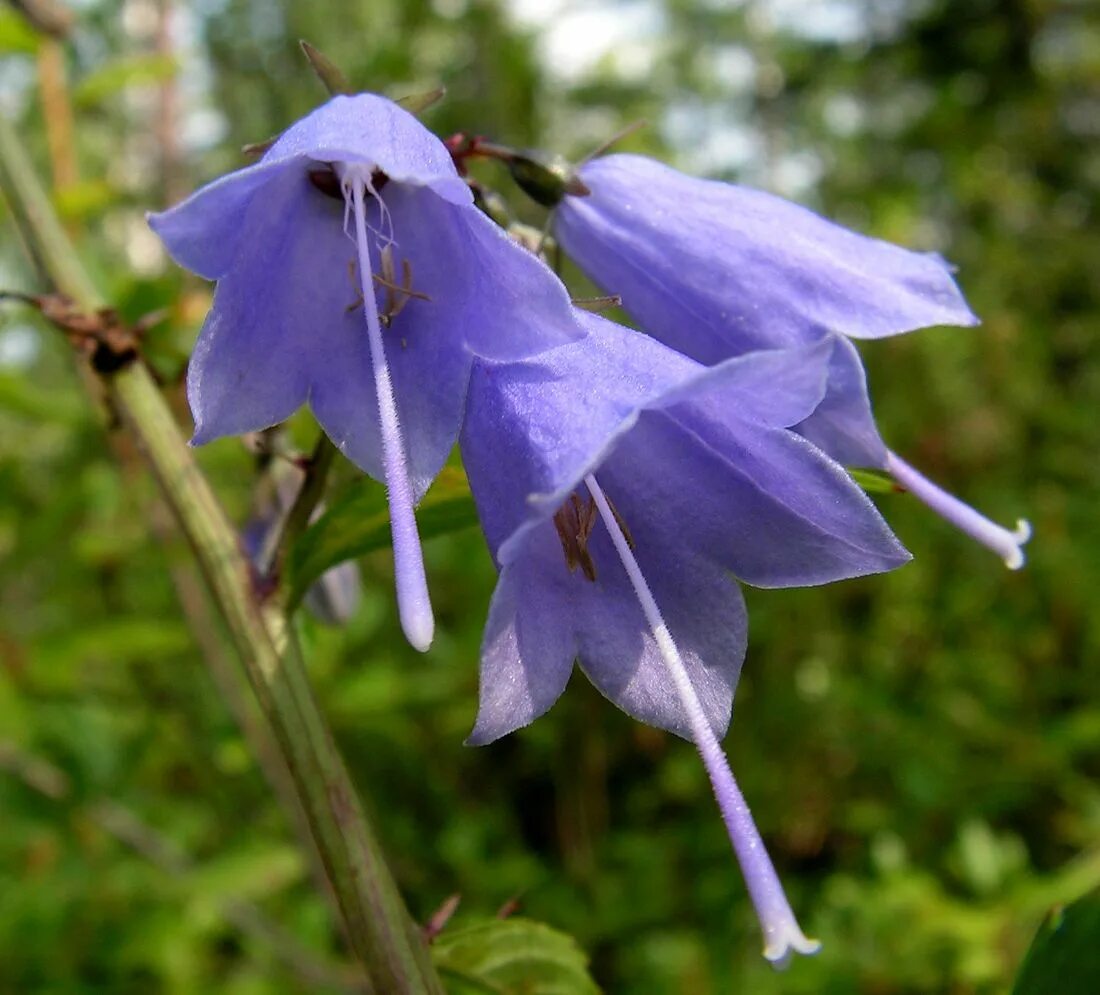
(632, 574)
(355, 273)
(625, 485)
(717, 270)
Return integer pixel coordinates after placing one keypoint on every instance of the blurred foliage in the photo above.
(921, 750)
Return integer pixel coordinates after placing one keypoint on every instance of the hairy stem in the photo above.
(385, 938)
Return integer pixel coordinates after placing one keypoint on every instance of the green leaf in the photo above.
(116, 75)
(874, 481)
(80, 201)
(16, 35)
(257, 872)
(22, 396)
(359, 523)
(512, 957)
(1065, 954)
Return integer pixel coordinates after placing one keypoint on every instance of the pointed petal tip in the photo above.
(201, 434)
(478, 737)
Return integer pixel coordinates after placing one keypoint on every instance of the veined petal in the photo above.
(370, 129)
(522, 308)
(527, 652)
(772, 387)
(702, 606)
(268, 328)
(577, 402)
(842, 425)
(205, 232)
(765, 503)
(713, 269)
(539, 424)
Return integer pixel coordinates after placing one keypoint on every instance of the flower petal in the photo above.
(252, 364)
(429, 365)
(541, 424)
(528, 648)
(204, 232)
(701, 605)
(521, 307)
(713, 269)
(368, 128)
(843, 425)
(763, 503)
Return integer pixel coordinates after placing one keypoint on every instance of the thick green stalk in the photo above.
(386, 940)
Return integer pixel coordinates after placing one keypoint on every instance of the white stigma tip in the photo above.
(1015, 558)
(419, 631)
(781, 949)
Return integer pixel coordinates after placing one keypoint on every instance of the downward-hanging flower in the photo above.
(716, 270)
(622, 488)
(354, 273)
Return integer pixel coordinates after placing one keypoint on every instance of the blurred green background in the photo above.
(921, 750)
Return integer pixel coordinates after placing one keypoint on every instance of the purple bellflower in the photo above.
(716, 270)
(699, 482)
(356, 275)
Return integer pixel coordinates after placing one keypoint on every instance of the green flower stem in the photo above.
(385, 938)
(294, 523)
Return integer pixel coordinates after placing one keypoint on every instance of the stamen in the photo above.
(1007, 545)
(413, 603)
(574, 521)
(782, 935)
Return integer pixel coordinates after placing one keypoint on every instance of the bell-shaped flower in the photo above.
(356, 275)
(717, 270)
(623, 488)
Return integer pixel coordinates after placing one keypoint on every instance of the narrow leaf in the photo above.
(359, 523)
(1065, 954)
(512, 957)
(334, 81)
(417, 103)
(874, 481)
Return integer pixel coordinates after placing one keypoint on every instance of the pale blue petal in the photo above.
(843, 425)
(204, 232)
(762, 502)
(252, 364)
(371, 129)
(715, 269)
(528, 649)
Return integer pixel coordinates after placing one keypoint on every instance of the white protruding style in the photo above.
(782, 935)
(413, 604)
(1008, 545)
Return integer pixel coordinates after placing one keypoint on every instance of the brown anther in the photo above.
(597, 304)
(397, 295)
(574, 521)
(621, 522)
